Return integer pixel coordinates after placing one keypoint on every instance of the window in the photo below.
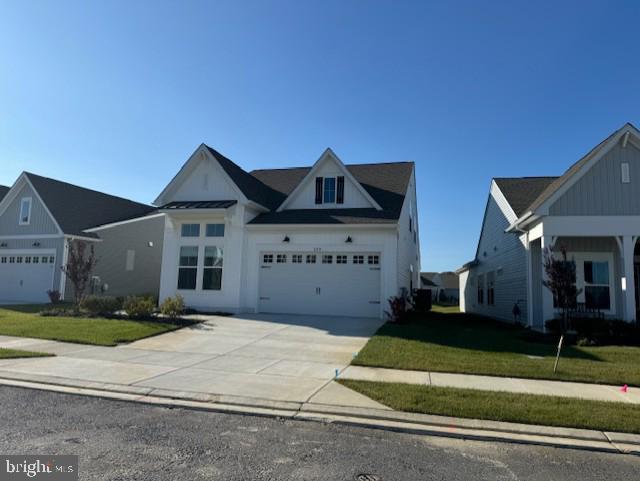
(267, 259)
(215, 230)
(596, 285)
(481, 289)
(36, 259)
(329, 190)
(130, 260)
(212, 271)
(358, 259)
(281, 258)
(25, 211)
(27, 260)
(44, 259)
(311, 258)
(190, 230)
(624, 173)
(490, 289)
(410, 224)
(341, 259)
(374, 260)
(327, 259)
(51, 259)
(188, 267)
(19, 260)
(296, 258)
(3, 260)
(12, 260)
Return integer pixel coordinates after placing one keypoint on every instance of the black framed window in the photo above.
(329, 193)
(212, 270)
(188, 267)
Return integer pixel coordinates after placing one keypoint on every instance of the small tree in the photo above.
(80, 264)
(561, 281)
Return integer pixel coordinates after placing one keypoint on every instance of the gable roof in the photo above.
(75, 208)
(426, 281)
(520, 192)
(251, 186)
(3, 191)
(386, 183)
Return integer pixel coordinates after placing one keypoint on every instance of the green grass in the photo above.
(14, 353)
(448, 341)
(24, 321)
(503, 406)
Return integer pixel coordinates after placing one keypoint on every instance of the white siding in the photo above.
(305, 198)
(503, 254)
(409, 248)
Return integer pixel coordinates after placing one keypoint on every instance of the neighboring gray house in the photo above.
(3, 191)
(444, 286)
(40, 216)
(592, 210)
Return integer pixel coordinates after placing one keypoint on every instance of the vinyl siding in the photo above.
(112, 257)
(408, 250)
(40, 222)
(504, 255)
(600, 191)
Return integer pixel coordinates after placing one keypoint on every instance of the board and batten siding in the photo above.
(40, 221)
(131, 240)
(503, 255)
(600, 190)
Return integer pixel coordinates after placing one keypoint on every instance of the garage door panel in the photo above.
(26, 277)
(347, 289)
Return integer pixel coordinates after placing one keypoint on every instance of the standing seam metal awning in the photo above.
(199, 204)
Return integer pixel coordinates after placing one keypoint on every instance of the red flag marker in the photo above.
(624, 388)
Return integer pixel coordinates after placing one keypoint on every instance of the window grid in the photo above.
(327, 259)
(188, 267)
(281, 258)
(212, 270)
(340, 259)
(358, 259)
(267, 258)
(311, 258)
(375, 260)
(296, 258)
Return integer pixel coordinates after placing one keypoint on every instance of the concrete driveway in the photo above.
(274, 357)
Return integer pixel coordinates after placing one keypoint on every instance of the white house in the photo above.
(592, 210)
(329, 239)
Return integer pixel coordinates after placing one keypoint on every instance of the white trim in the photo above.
(20, 219)
(29, 252)
(31, 236)
(326, 155)
(284, 227)
(123, 222)
(502, 202)
(593, 226)
(200, 154)
(82, 238)
(63, 276)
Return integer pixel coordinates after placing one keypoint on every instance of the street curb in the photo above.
(468, 429)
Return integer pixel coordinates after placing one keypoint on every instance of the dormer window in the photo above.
(330, 190)
(25, 211)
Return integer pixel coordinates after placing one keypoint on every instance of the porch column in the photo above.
(628, 280)
(546, 241)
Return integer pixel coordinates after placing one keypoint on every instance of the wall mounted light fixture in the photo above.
(286, 239)
(36, 244)
(349, 240)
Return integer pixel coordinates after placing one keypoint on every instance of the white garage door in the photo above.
(25, 277)
(327, 283)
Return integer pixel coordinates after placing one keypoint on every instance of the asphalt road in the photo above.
(126, 441)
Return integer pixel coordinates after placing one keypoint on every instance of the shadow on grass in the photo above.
(477, 333)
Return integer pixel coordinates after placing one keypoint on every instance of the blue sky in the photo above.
(116, 95)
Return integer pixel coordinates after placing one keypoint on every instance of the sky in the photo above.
(115, 96)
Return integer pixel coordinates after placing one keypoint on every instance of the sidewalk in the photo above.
(596, 392)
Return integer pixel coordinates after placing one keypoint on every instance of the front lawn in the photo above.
(449, 341)
(503, 406)
(14, 353)
(24, 321)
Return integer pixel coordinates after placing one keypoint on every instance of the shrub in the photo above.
(54, 296)
(139, 307)
(59, 312)
(172, 307)
(101, 305)
(597, 331)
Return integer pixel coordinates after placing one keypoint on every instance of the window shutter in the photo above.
(319, 185)
(340, 190)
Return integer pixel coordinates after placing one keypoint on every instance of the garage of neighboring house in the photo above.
(26, 276)
(320, 283)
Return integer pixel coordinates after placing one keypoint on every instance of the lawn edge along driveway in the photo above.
(503, 406)
(466, 344)
(25, 321)
(16, 354)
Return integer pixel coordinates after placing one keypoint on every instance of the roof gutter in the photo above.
(516, 227)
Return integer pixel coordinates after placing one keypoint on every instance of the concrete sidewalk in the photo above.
(596, 392)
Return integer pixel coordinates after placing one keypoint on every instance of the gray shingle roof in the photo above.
(387, 183)
(520, 192)
(250, 186)
(3, 191)
(76, 208)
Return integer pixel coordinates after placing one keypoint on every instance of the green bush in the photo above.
(172, 307)
(139, 307)
(101, 305)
